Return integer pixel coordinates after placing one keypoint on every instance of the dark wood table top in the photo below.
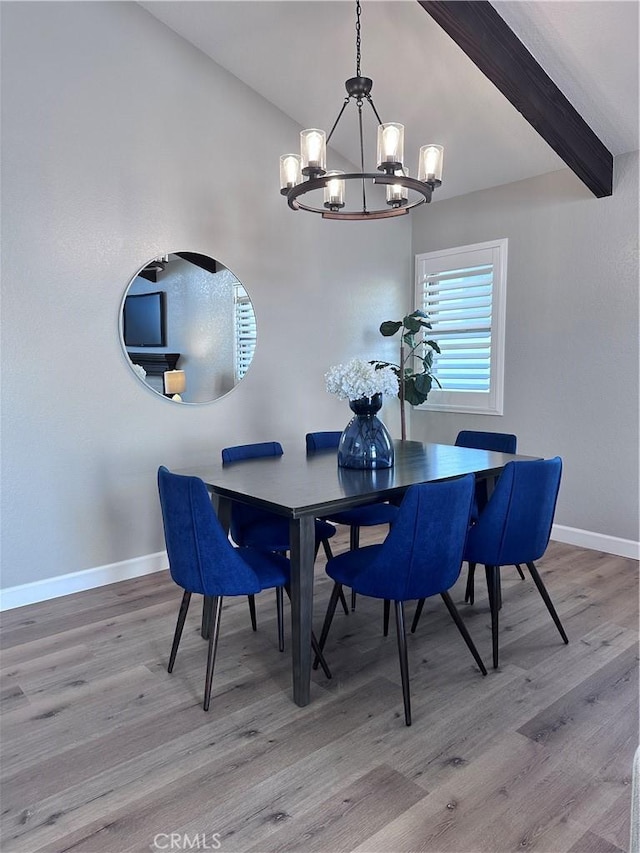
(297, 484)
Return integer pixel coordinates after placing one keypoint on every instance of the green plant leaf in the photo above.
(411, 324)
(411, 393)
(433, 345)
(390, 327)
(423, 384)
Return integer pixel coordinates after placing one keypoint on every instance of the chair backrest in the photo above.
(515, 526)
(201, 558)
(422, 555)
(251, 451)
(501, 442)
(243, 516)
(322, 440)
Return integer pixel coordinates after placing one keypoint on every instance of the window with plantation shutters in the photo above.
(463, 292)
(245, 327)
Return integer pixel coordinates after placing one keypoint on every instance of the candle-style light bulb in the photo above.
(314, 141)
(334, 191)
(290, 171)
(397, 195)
(313, 150)
(390, 146)
(430, 164)
(390, 139)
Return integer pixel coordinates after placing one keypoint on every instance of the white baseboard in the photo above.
(30, 593)
(596, 541)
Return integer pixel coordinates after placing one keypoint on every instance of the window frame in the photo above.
(465, 257)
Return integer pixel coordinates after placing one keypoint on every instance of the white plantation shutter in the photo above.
(459, 307)
(463, 292)
(245, 325)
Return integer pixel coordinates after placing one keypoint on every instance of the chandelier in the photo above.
(329, 187)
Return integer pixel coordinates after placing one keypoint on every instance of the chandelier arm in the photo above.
(373, 107)
(364, 191)
(335, 124)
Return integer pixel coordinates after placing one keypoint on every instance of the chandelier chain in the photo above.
(358, 41)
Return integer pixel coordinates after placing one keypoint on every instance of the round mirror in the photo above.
(187, 327)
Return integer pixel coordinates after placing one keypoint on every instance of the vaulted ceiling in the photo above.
(298, 53)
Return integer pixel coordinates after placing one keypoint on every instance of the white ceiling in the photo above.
(298, 53)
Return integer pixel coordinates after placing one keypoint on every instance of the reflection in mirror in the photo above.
(188, 327)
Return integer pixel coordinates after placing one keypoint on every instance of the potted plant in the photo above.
(414, 384)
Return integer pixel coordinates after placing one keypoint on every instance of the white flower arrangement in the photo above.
(139, 369)
(359, 378)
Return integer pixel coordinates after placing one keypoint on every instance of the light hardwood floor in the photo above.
(102, 750)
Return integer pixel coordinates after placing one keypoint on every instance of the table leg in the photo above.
(222, 508)
(302, 541)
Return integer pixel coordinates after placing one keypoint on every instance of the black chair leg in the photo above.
(206, 616)
(416, 617)
(354, 544)
(216, 610)
(319, 656)
(280, 611)
(343, 602)
(182, 615)
(520, 572)
(468, 593)
(385, 617)
(493, 587)
(331, 609)
(453, 610)
(252, 611)
(545, 597)
(404, 663)
(327, 549)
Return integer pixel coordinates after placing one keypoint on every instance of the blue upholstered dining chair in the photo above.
(500, 442)
(514, 528)
(257, 528)
(420, 557)
(370, 515)
(202, 560)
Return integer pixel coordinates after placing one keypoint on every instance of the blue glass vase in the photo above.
(365, 443)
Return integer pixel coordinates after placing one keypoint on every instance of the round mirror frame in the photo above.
(193, 333)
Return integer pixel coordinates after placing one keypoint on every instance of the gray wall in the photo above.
(571, 360)
(121, 142)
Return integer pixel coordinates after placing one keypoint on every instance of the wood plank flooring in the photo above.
(104, 752)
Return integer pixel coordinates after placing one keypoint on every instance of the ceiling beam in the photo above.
(491, 45)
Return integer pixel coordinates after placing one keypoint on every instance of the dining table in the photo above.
(304, 486)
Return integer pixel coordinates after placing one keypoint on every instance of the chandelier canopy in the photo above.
(329, 187)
